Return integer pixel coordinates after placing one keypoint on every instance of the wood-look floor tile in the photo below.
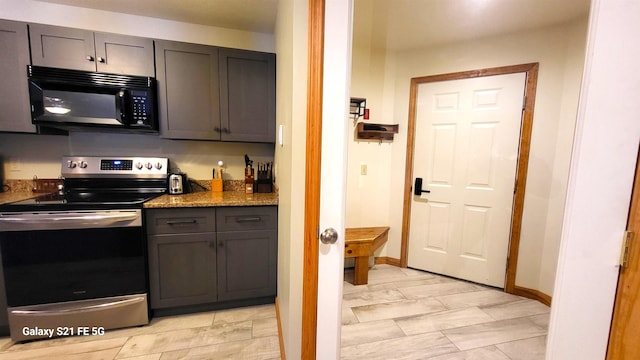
(145, 357)
(397, 309)
(486, 353)
(491, 333)
(264, 348)
(477, 298)
(348, 317)
(442, 320)
(527, 349)
(541, 320)
(421, 346)
(371, 297)
(83, 350)
(265, 327)
(245, 313)
(396, 285)
(369, 332)
(185, 338)
(516, 309)
(440, 289)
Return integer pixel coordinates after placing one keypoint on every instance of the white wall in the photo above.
(291, 40)
(24, 156)
(602, 174)
(379, 198)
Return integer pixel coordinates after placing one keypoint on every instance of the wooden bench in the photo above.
(360, 243)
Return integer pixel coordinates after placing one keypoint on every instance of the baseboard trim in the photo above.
(280, 339)
(532, 294)
(387, 260)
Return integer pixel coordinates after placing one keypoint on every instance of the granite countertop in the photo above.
(211, 199)
(8, 197)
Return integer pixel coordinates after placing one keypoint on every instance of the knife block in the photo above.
(248, 180)
(216, 185)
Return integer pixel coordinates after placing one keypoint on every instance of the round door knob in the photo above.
(89, 58)
(329, 236)
(101, 59)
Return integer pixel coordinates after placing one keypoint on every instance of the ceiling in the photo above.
(395, 24)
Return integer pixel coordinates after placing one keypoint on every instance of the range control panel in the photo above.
(97, 166)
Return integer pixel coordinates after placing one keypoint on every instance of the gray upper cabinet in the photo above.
(247, 96)
(188, 90)
(78, 49)
(14, 91)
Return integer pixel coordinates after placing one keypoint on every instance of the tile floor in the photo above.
(410, 314)
(400, 314)
(245, 333)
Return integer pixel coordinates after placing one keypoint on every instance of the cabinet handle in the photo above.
(212, 244)
(181, 222)
(226, 131)
(101, 59)
(249, 219)
(89, 58)
(216, 129)
(220, 244)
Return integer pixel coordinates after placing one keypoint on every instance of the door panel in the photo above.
(625, 327)
(466, 149)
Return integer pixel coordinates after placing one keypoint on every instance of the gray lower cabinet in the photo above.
(206, 255)
(247, 252)
(78, 49)
(182, 257)
(14, 91)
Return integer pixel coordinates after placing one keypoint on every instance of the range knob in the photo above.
(83, 164)
(159, 165)
(149, 166)
(139, 166)
(71, 164)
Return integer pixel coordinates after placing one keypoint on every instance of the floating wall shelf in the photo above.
(376, 131)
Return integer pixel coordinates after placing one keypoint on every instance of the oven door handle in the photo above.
(70, 220)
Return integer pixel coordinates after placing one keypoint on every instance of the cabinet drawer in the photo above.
(246, 218)
(179, 221)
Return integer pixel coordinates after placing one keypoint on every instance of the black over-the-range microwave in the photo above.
(84, 100)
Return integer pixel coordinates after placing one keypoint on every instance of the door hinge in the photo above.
(626, 247)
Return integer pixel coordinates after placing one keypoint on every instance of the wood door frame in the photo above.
(626, 295)
(315, 63)
(531, 71)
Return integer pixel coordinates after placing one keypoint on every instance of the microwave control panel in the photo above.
(141, 108)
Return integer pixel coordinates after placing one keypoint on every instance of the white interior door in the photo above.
(466, 150)
(335, 123)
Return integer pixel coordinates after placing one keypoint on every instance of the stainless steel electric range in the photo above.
(75, 260)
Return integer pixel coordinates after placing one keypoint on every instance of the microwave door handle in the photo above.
(122, 106)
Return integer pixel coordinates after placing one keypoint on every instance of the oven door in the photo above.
(52, 257)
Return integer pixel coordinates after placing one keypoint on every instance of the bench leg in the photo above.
(361, 275)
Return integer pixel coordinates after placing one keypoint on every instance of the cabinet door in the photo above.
(247, 96)
(188, 90)
(14, 92)
(182, 269)
(121, 54)
(247, 264)
(62, 47)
